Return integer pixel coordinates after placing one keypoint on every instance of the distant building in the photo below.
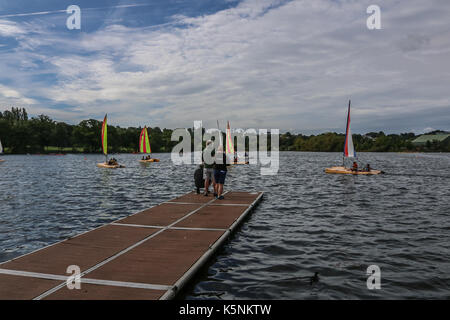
(369, 137)
(423, 139)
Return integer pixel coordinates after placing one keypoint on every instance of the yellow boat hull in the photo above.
(105, 165)
(343, 170)
(148, 161)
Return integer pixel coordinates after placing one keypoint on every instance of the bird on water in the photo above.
(314, 278)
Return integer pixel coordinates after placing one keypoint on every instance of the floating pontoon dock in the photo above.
(148, 255)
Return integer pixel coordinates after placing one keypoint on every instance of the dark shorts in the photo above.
(219, 176)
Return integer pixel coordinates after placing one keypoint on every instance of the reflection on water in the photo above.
(308, 221)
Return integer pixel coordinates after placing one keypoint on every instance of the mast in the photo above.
(105, 138)
(220, 134)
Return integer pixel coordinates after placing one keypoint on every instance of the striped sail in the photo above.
(229, 141)
(105, 136)
(349, 150)
(144, 142)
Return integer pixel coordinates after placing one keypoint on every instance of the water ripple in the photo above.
(308, 221)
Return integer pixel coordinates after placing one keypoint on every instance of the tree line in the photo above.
(41, 134)
(369, 142)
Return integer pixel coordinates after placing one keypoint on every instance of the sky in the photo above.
(290, 65)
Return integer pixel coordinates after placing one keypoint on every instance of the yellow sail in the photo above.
(144, 142)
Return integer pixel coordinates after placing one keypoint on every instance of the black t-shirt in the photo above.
(221, 166)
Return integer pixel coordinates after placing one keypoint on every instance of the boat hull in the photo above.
(148, 161)
(105, 165)
(240, 162)
(1, 160)
(343, 170)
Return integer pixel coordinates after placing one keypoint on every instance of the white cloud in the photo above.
(11, 96)
(262, 63)
(10, 29)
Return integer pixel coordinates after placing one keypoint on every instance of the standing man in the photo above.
(220, 172)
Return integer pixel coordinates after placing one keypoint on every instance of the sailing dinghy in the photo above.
(349, 152)
(144, 147)
(107, 164)
(230, 147)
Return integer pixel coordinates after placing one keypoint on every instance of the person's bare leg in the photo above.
(216, 185)
(219, 189)
(206, 185)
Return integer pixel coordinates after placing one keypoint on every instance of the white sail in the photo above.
(220, 135)
(349, 150)
(350, 147)
(1, 147)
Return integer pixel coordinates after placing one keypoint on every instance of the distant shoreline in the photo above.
(42, 135)
(140, 155)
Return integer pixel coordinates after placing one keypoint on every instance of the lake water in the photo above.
(308, 221)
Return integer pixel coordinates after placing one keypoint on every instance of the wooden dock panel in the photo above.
(213, 216)
(192, 197)
(23, 288)
(235, 197)
(85, 250)
(160, 260)
(161, 215)
(99, 292)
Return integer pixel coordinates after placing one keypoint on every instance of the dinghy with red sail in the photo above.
(144, 147)
(230, 147)
(112, 163)
(349, 152)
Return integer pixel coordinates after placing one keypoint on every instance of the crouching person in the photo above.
(209, 172)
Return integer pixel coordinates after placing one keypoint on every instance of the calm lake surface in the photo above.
(308, 221)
